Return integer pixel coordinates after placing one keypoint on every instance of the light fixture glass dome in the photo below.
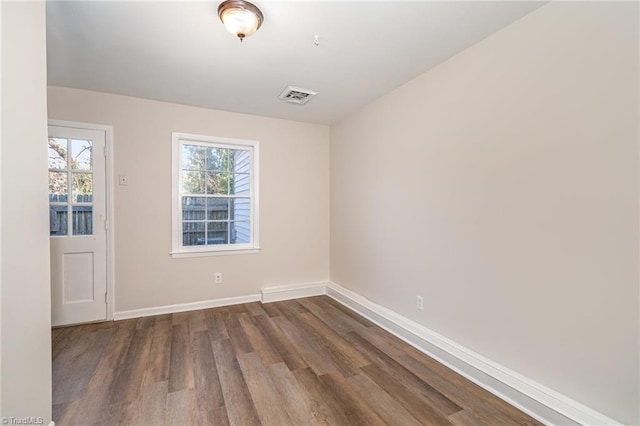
(241, 18)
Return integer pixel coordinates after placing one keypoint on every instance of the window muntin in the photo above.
(215, 194)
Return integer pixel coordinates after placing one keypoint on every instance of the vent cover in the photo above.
(297, 95)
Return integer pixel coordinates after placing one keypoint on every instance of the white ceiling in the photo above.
(180, 52)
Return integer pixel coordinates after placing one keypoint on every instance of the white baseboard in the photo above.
(184, 307)
(269, 294)
(297, 291)
(540, 402)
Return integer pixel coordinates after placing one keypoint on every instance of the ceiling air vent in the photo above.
(297, 95)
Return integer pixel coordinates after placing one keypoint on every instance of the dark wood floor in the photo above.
(302, 362)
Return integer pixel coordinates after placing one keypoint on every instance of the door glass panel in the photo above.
(58, 187)
(81, 154)
(82, 220)
(57, 153)
(82, 187)
(58, 220)
(75, 154)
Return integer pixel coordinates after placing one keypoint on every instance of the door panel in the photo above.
(77, 215)
(78, 282)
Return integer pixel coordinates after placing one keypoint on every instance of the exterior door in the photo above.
(77, 225)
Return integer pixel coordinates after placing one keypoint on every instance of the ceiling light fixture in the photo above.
(241, 18)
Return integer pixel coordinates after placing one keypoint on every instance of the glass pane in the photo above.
(217, 209)
(57, 153)
(240, 184)
(193, 157)
(240, 161)
(58, 220)
(192, 182)
(82, 187)
(218, 183)
(217, 233)
(240, 232)
(193, 208)
(82, 220)
(192, 233)
(240, 209)
(58, 187)
(218, 159)
(81, 154)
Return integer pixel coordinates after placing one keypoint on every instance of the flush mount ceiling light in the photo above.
(241, 18)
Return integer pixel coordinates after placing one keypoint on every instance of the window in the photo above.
(70, 187)
(215, 195)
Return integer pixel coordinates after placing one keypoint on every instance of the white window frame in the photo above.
(177, 249)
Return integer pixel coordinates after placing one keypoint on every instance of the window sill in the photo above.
(204, 253)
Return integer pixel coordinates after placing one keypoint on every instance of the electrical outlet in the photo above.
(218, 277)
(419, 302)
(124, 180)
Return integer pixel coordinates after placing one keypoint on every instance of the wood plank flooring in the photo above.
(301, 362)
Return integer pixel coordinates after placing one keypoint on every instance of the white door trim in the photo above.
(108, 130)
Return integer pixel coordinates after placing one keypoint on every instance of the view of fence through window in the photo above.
(70, 186)
(215, 192)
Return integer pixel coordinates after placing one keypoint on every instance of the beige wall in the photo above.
(502, 186)
(294, 192)
(25, 356)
